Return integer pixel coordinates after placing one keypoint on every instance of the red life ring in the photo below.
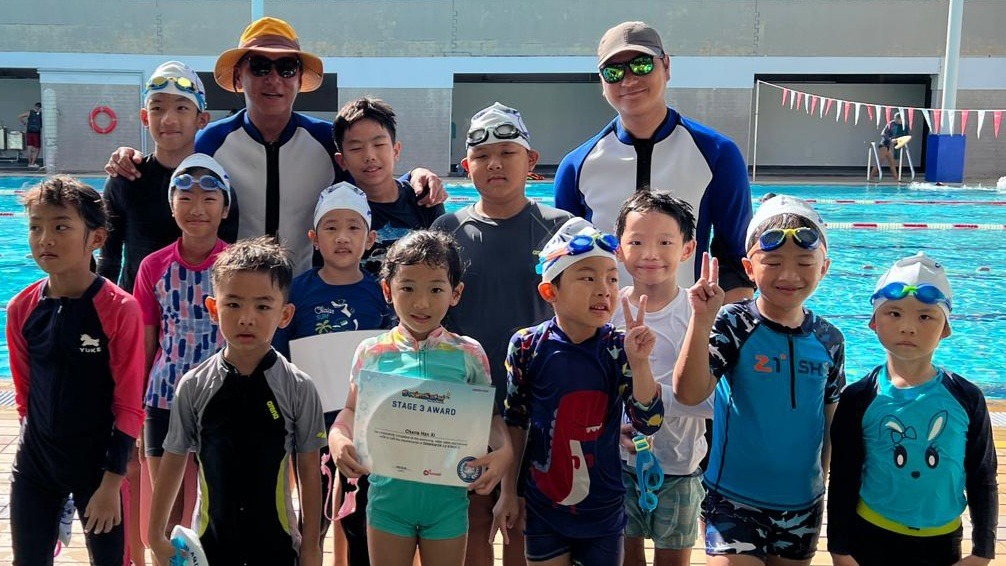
(112, 119)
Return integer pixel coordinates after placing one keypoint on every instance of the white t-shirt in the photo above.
(680, 444)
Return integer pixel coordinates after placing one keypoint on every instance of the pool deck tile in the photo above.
(76, 554)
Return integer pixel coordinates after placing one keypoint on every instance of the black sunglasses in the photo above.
(286, 67)
(615, 72)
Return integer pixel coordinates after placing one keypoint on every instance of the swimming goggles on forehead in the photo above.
(503, 131)
(615, 72)
(206, 182)
(580, 244)
(286, 67)
(183, 84)
(925, 293)
(773, 239)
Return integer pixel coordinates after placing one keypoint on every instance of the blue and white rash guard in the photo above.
(683, 157)
(296, 167)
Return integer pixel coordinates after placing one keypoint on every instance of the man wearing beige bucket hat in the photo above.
(279, 160)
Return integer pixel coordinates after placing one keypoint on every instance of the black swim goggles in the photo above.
(504, 131)
(773, 239)
(286, 67)
(615, 72)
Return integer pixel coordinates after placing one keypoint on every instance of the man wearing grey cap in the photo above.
(650, 145)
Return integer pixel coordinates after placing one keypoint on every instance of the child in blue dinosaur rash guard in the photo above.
(912, 441)
(569, 380)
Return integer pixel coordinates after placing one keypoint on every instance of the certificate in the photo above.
(326, 359)
(421, 429)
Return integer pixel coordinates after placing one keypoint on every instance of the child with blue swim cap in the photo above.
(912, 441)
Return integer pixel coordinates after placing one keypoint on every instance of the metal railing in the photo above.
(873, 159)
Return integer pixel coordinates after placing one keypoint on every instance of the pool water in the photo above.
(975, 260)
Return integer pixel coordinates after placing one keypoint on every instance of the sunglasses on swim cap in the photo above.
(806, 238)
(615, 72)
(925, 293)
(286, 67)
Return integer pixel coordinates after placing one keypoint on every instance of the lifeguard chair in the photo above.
(900, 146)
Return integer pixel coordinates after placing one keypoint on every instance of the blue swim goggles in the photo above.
(925, 293)
(579, 244)
(806, 238)
(649, 474)
(206, 182)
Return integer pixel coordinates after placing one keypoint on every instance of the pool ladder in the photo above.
(873, 158)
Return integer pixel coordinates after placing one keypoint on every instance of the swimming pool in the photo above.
(870, 227)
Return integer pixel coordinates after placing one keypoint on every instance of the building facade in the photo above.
(438, 61)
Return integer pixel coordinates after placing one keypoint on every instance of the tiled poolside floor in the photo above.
(76, 554)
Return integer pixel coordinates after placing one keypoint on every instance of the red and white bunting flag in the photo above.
(951, 114)
(964, 121)
(981, 121)
(827, 107)
(904, 121)
(858, 107)
(887, 114)
(806, 104)
(813, 103)
(792, 98)
(925, 115)
(785, 95)
(879, 110)
(911, 119)
(997, 120)
(937, 115)
(848, 105)
(869, 111)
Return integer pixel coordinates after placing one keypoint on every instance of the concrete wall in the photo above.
(80, 148)
(790, 137)
(560, 116)
(423, 117)
(409, 53)
(985, 157)
(434, 28)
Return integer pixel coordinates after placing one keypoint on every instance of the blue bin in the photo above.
(945, 158)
